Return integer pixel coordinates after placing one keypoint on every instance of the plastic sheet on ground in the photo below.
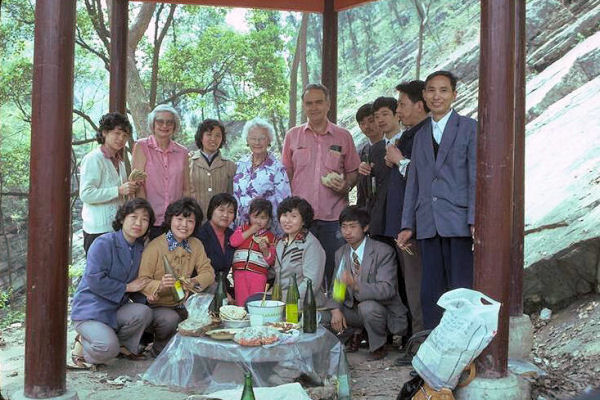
(209, 365)
(289, 391)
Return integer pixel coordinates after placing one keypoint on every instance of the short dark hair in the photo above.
(206, 126)
(382, 102)
(298, 203)
(186, 206)
(355, 213)
(130, 207)
(260, 205)
(221, 199)
(447, 74)
(317, 86)
(364, 111)
(414, 91)
(111, 121)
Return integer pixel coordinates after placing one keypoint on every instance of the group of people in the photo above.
(264, 219)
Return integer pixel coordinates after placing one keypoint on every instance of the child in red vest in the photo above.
(254, 252)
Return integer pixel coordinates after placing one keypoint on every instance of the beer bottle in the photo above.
(291, 301)
(309, 310)
(339, 287)
(220, 294)
(177, 290)
(248, 393)
(276, 292)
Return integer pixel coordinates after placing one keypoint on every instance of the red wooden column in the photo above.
(49, 195)
(494, 216)
(118, 56)
(517, 263)
(329, 66)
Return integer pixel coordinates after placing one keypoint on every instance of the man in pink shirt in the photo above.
(312, 151)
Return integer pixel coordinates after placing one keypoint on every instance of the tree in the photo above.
(299, 58)
(423, 13)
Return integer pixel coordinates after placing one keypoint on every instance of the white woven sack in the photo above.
(467, 327)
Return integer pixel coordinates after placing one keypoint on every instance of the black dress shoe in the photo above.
(378, 354)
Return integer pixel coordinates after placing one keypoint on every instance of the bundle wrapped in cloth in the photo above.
(137, 176)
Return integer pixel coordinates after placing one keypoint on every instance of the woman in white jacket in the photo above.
(104, 183)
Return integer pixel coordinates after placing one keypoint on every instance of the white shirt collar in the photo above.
(441, 124)
(394, 138)
(360, 250)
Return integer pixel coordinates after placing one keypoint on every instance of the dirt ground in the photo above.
(120, 379)
(566, 348)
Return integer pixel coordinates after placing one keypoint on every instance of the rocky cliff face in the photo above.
(562, 244)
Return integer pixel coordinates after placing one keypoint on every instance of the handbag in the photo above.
(426, 392)
(410, 388)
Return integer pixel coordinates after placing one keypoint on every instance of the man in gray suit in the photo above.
(368, 269)
(439, 203)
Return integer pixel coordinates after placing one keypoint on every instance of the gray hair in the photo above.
(163, 108)
(258, 123)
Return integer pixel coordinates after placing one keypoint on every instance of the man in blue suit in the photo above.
(439, 204)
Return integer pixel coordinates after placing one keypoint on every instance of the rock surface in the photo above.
(562, 251)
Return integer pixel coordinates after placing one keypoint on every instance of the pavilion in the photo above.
(500, 184)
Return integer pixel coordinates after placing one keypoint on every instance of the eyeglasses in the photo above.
(259, 139)
(167, 122)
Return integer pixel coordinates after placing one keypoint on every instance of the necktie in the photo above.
(355, 264)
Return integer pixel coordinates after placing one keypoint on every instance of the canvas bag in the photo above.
(467, 327)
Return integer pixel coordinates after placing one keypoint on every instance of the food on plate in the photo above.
(256, 336)
(230, 312)
(283, 326)
(194, 327)
(222, 334)
(326, 180)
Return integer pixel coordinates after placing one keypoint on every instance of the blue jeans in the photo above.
(330, 237)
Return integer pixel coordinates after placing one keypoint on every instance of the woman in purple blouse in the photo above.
(260, 174)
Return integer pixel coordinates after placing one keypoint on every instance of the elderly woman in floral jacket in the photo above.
(260, 174)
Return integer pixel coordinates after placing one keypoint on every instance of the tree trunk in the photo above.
(303, 62)
(293, 102)
(317, 34)
(350, 21)
(422, 12)
(158, 39)
(137, 97)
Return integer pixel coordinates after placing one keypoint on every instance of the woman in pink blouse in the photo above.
(165, 163)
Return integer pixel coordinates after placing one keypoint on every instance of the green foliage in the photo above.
(9, 311)
(75, 274)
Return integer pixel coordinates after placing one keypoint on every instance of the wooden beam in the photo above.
(49, 213)
(284, 5)
(118, 56)
(340, 5)
(518, 237)
(329, 65)
(493, 205)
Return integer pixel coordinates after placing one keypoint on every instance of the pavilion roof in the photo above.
(288, 5)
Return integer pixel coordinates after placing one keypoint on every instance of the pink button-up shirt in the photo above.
(308, 156)
(165, 171)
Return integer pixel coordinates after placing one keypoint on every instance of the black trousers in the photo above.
(447, 265)
(88, 239)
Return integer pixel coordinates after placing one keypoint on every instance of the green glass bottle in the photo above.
(220, 294)
(309, 310)
(291, 301)
(248, 393)
(177, 290)
(276, 292)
